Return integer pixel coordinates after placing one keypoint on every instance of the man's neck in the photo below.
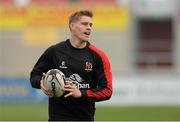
(78, 43)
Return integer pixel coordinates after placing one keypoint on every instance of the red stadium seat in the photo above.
(49, 2)
(6, 2)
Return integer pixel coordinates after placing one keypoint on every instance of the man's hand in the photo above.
(43, 88)
(72, 89)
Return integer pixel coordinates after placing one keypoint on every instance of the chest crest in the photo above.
(88, 66)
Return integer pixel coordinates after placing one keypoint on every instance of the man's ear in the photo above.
(71, 26)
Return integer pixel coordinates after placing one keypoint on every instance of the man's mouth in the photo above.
(87, 33)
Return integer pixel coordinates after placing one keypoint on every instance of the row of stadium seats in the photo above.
(57, 2)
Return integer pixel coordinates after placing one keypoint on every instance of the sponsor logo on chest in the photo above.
(78, 81)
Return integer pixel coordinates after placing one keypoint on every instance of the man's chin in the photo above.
(84, 40)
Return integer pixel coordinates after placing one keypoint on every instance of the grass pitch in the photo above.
(39, 112)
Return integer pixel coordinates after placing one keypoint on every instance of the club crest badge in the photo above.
(88, 66)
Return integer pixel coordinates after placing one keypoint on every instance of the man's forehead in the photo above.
(85, 18)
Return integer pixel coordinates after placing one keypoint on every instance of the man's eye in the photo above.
(90, 24)
(84, 23)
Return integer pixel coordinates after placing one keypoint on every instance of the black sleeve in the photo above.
(43, 64)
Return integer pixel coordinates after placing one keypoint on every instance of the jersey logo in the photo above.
(88, 66)
(63, 65)
(78, 81)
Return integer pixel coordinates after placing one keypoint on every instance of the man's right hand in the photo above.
(43, 88)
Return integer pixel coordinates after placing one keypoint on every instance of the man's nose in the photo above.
(89, 27)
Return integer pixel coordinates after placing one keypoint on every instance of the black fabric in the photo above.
(77, 64)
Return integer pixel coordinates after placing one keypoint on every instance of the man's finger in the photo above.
(49, 94)
(42, 82)
(69, 83)
(42, 86)
(70, 90)
(69, 94)
(70, 86)
(43, 76)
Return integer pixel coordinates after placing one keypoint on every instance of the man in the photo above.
(86, 68)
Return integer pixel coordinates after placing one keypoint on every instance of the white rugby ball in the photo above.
(54, 81)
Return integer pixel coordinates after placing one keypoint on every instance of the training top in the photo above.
(88, 67)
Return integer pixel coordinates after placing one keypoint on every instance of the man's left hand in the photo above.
(72, 89)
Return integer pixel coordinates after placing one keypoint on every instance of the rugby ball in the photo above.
(54, 81)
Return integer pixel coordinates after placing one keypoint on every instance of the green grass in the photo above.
(24, 112)
(39, 112)
(138, 113)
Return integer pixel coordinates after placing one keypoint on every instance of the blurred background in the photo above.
(140, 37)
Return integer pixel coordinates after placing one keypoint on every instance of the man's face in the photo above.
(81, 29)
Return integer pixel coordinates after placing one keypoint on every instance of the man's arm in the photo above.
(103, 77)
(43, 64)
(35, 78)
